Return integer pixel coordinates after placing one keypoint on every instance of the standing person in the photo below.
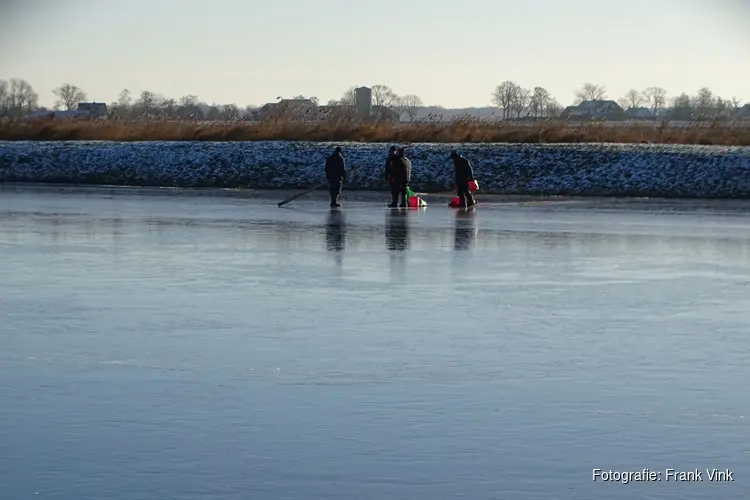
(389, 161)
(463, 174)
(336, 175)
(399, 178)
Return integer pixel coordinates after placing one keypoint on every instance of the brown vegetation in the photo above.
(456, 131)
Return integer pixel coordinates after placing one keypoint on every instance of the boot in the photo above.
(470, 201)
(335, 202)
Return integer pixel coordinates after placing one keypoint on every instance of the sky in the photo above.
(450, 53)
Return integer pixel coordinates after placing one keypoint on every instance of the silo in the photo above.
(363, 96)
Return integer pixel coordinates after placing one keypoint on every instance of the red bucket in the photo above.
(455, 202)
(474, 185)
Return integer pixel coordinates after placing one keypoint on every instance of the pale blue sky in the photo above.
(451, 53)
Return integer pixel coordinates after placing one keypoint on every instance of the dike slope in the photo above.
(518, 169)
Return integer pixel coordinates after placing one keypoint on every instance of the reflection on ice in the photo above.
(397, 242)
(397, 230)
(336, 231)
(465, 228)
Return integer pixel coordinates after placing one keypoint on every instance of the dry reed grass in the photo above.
(457, 131)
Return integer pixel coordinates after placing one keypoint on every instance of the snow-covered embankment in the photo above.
(566, 169)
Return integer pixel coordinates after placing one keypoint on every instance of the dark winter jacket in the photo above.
(335, 168)
(463, 170)
(388, 166)
(400, 170)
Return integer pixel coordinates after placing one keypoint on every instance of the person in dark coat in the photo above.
(336, 175)
(388, 163)
(399, 177)
(463, 174)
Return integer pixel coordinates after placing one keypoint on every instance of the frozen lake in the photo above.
(168, 344)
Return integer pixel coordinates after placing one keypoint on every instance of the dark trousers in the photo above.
(399, 189)
(464, 195)
(334, 188)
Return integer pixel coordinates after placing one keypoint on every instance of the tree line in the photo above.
(518, 102)
(18, 98)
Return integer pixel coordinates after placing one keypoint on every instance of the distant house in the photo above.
(640, 113)
(51, 113)
(92, 109)
(287, 108)
(386, 114)
(743, 113)
(377, 113)
(648, 113)
(307, 110)
(600, 109)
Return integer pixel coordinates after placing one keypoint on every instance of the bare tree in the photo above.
(504, 96)
(399, 106)
(410, 104)
(553, 109)
(188, 100)
(124, 99)
(722, 108)
(656, 97)
(68, 96)
(146, 104)
(211, 112)
(682, 107)
(634, 99)
(383, 95)
(168, 107)
(590, 92)
(521, 101)
(704, 101)
(188, 106)
(4, 93)
(539, 100)
(122, 108)
(349, 98)
(160, 102)
(230, 112)
(20, 98)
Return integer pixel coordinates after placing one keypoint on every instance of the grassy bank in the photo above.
(457, 131)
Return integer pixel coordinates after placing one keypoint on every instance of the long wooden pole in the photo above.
(317, 186)
(303, 193)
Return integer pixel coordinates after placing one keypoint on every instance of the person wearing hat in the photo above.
(336, 175)
(463, 174)
(399, 177)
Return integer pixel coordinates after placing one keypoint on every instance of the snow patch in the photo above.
(519, 169)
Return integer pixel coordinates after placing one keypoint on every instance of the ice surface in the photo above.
(170, 344)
